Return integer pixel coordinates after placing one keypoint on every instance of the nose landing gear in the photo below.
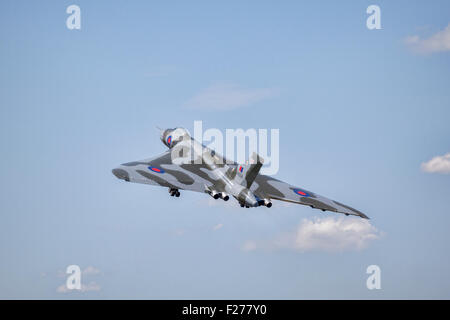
(174, 192)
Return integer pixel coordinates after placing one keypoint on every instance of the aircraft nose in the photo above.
(121, 174)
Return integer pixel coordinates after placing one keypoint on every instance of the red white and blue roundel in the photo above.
(169, 140)
(155, 169)
(301, 192)
(241, 169)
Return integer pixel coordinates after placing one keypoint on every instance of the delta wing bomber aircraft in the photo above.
(189, 165)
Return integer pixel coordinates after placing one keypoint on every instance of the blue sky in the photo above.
(358, 111)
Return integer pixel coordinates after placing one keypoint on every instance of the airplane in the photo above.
(189, 165)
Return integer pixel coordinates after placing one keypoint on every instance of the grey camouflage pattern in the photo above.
(208, 172)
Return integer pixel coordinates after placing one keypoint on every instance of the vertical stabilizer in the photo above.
(247, 173)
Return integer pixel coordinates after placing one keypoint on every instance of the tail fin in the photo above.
(247, 173)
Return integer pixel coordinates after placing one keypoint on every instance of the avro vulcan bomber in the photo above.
(189, 165)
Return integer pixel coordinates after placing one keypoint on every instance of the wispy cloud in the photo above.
(322, 234)
(228, 97)
(438, 42)
(178, 232)
(438, 164)
(90, 270)
(250, 245)
(217, 227)
(91, 286)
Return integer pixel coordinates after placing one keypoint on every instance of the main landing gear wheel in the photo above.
(174, 192)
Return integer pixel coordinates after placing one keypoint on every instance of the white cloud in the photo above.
(439, 164)
(228, 97)
(90, 270)
(438, 42)
(323, 234)
(179, 232)
(249, 245)
(62, 289)
(217, 226)
(91, 286)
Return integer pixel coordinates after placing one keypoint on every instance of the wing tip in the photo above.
(358, 214)
(349, 210)
(362, 215)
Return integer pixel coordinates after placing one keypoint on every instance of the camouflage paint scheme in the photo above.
(188, 165)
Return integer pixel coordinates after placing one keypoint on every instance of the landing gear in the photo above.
(174, 192)
(244, 205)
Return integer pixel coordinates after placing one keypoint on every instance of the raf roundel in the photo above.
(169, 140)
(155, 169)
(301, 192)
